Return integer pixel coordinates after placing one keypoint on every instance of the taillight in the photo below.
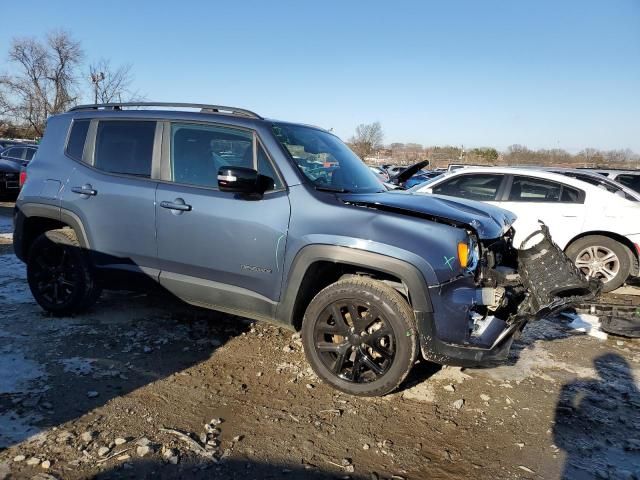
(23, 177)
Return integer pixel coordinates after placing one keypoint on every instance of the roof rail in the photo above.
(204, 108)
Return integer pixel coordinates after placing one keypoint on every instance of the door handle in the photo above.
(177, 204)
(85, 190)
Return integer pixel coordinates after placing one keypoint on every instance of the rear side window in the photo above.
(125, 147)
(569, 195)
(531, 189)
(29, 154)
(528, 189)
(481, 186)
(77, 136)
(14, 153)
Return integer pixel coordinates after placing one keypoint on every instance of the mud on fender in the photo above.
(553, 283)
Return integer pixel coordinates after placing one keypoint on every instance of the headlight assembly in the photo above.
(469, 253)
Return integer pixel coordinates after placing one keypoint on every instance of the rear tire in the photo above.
(603, 258)
(359, 335)
(60, 275)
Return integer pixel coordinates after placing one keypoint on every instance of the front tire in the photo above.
(60, 274)
(359, 335)
(603, 258)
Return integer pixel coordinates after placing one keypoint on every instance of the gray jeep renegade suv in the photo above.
(273, 221)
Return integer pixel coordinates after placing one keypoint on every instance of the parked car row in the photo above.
(603, 242)
(594, 220)
(6, 143)
(381, 173)
(403, 176)
(628, 178)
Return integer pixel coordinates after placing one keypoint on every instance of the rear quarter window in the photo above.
(77, 137)
(539, 190)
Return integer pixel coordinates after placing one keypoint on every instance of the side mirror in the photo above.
(243, 180)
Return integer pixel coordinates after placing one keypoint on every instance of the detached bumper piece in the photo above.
(621, 320)
(551, 280)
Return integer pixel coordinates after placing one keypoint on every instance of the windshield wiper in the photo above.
(331, 189)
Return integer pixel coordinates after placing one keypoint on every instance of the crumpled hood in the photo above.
(488, 221)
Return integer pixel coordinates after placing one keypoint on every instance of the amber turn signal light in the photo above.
(463, 254)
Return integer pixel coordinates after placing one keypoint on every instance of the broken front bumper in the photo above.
(475, 319)
(447, 335)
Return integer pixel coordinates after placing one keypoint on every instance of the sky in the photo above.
(542, 73)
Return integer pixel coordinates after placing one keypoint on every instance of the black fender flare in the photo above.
(27, 210)
(307, 256)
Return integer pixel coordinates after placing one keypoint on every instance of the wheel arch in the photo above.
(317, 266)
(633, 253)
(33, 220)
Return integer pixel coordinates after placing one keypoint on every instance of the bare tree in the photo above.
(367, 139)
(46, 82)
(4, 102)
(109, 84)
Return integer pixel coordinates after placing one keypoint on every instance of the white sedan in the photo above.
(598, 230)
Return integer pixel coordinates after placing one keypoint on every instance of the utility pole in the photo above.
(96, 78)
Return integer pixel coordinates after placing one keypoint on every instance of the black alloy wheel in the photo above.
(55, 275)
(359, 335)
(60, 274)
(354, 341)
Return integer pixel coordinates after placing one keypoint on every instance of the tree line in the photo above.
(367, 143)
(51, 75)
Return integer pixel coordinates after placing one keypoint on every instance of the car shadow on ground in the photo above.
(421, 372)
(229, 469)
(633, 282)
(127, 341)
(597, 422)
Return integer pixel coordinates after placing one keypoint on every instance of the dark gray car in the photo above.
(12, 160)
(273, 221)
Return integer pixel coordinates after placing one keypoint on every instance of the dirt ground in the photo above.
(109, 393)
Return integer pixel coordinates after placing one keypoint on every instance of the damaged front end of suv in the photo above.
(508, 287)
(488, 289)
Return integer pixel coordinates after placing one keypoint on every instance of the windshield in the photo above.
(326, 161)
